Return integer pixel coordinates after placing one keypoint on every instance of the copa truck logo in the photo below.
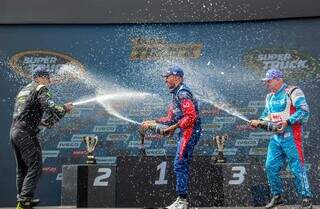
(296, 65)
(63, 67)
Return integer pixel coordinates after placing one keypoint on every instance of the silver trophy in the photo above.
(219, 144)
(91, 143)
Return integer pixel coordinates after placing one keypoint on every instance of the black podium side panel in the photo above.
(101, 186)
(88, 185)
(205, 183)
(145, 181)
(244, 184)
(74, 187)
(69, 185)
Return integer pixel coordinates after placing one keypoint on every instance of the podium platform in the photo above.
(149, 182)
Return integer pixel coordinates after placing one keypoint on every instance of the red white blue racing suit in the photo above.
(287, 104)
(183, 111)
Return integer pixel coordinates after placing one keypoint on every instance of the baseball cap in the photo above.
(175, 70)
(41, 71)
(272, 74)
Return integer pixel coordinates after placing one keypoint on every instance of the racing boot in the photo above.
(27, 203)
(275, 201)
(24, 205)
(180, 203)
(306, 204)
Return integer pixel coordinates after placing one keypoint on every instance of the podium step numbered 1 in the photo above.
(150, 182)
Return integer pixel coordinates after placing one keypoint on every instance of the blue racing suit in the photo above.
(183, 111)
(287, 104)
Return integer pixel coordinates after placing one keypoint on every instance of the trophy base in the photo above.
(91, 160)
(220, 158)
(142, 152)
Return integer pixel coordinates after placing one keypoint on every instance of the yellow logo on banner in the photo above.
(64, 67)
(158, 48)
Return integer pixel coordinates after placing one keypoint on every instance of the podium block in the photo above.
(88, 185)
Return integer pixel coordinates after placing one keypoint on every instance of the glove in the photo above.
(148, 124)
(169, 131)
(68, 106)
(254, 123)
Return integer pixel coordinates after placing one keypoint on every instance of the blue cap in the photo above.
(175, 70)
(41, 71)
(272, 74)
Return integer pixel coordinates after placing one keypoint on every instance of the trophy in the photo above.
(219, 143)
(91, 143)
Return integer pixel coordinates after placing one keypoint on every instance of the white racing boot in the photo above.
(178, 204)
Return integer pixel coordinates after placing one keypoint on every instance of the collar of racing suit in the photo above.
(176, 89)
(281, 88)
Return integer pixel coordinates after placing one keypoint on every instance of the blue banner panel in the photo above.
(113, 75)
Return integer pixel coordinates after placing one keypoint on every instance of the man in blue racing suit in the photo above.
(183, 114)
(286, 106)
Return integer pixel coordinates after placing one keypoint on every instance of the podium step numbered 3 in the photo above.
(149, 181)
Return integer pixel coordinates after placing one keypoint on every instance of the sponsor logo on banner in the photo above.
(248, 110)
(137, 144)
(227, 151)
(224, 119)
(108, 128)
(49, 169)
(116, 121)
(211, 112)
(64, 67)
(212, 127)
(158, 48)
(79, 137)
(118, 137)
(153, 137)
(206, 142)
(243, 127)
(306, 134)
(170, 143)
(146, 111)
(49, 153)
(79, 153)
(73, 114)
(59, 177)
(68, 145)
(258, 151)
(295, 64)
(106, 159)
(260, 135)
(247, 142)
(257, 104)
(85, 107)
(155, 152)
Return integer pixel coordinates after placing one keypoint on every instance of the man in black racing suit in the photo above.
(30, 105)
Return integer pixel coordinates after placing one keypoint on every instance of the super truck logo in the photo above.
(296, 65)
(63, 67)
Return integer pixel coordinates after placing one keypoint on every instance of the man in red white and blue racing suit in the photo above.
(183, 114)
(286, 106)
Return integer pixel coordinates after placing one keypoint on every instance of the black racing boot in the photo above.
(306, 204)
(276, 200)
(27, 203)
(35, 202)
(24, 205)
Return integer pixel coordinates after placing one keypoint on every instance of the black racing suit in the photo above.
(31, 103)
